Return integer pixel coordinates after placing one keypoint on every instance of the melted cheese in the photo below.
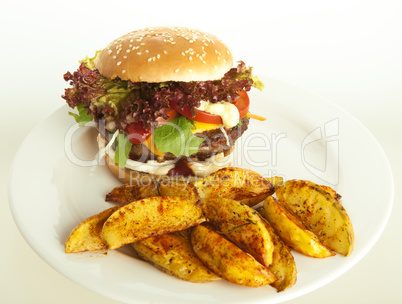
(202, 126)
(150, 144)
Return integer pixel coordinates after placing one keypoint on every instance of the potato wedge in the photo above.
(148, 217)
(292, 231)
(227, 260)
(276, 181)
(179, 189)
(87, 235)
(240, 224)
(245, 186)
(331, 191)
(126, 194)
(174, 255)
(320, 212)
(283, 264)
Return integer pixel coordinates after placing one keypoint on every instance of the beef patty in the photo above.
(215, 142)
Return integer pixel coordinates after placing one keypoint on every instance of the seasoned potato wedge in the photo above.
(245, 186)
(240, 224)
(320, 212)
(126, 194)
(174, 255)
(331, 191)
(276, 181)
(179, 189)
(148, 217)
(87, 235)
(292, 231)
(283, 264)
(227, 260)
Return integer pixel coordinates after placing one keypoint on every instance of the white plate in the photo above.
(54, 186)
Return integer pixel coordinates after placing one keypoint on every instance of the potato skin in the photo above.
(292, 231)
(245, 186)
(283, 264)
(126, 194)
(150, 216)
(321, 212)
(241, 225)
(227, 260)
(87, 235)
(174, 255)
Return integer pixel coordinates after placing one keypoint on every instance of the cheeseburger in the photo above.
(166, 101)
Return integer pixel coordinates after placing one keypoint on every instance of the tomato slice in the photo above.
(242, 104)
(136, 133)
(169, 112)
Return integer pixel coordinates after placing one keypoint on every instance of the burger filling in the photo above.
(164, 128)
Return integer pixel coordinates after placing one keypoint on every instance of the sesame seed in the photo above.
(125, 57)
(158, 56)
(165, 51)
(177, 70)
(123, 71)
(149, 59)
(173, 42)
(190, 70)
(146, 51)
(138, 53)
(118, 62)
(190, 58)
(142, 43)
(114, 57)
(191, 41)
(128, 51)
(215, 67)
(109, 52)
(183, 53)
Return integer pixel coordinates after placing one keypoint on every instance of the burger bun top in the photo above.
(161, 54)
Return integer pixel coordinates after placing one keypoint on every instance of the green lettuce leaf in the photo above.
(123, 147)
(257, 83)
(82, 118)
(90, 61)
(176, 137)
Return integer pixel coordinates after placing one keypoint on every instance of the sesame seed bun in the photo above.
(165, 54)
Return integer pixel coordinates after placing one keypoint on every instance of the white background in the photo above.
(347, 51)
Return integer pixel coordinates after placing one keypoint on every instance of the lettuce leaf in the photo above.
(176, 137)
(82, 118)
(123, 147)
(91, 61)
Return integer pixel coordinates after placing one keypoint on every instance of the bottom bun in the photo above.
(133, 177)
